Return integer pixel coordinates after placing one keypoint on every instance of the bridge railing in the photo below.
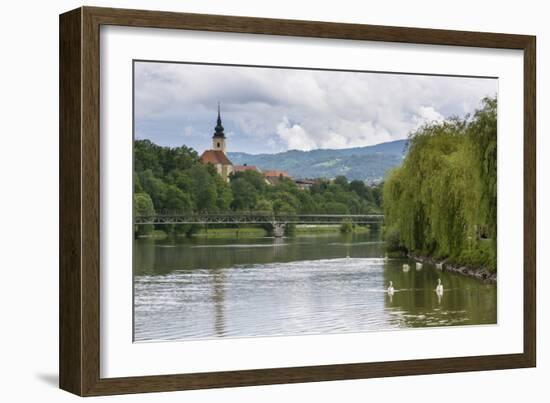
(255, 218)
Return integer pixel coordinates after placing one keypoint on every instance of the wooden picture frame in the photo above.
(79, 281)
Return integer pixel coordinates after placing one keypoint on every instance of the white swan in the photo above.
(439, 266)
(418, 265)
(391, 290)
(439, 288)
(406, 267)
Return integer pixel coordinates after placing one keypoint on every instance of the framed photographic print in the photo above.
(249, 201)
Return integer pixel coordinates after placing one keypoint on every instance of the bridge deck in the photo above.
(258, 218)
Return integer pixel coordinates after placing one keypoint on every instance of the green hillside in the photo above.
(361, 163)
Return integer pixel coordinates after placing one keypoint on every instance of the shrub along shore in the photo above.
(480, 273)
(259, 231)
(441, 203)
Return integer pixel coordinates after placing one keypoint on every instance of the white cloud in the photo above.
(427, 114)
(294, 136)
(301, 109)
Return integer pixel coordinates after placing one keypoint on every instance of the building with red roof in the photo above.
(305, 183)
(217, 156)
(214, 157)
(274, 176)
(245, 167)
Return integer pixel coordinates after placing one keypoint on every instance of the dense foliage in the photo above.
(442, 201)
(251, 192)
(173, 179)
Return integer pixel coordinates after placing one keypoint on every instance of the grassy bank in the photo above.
(315, 229)
(155, 234)
(323, 229)
(231, 232)
(259, 232)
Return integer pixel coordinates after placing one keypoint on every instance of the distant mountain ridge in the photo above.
(368, 163)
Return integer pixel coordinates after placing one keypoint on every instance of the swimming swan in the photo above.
(439, 288)
(406, 267)
(439, 266)
(391, 289)
(418, 265)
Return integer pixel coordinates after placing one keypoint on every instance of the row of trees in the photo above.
(442, 201)
(251, 192)
(173, 179)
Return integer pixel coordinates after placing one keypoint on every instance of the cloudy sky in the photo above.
(268, 110)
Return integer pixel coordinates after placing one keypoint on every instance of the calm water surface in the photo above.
(209, 288)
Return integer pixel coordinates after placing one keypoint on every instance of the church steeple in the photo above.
(218, 139)
(218, 130)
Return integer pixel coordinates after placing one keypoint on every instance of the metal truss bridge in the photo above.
(256, 218)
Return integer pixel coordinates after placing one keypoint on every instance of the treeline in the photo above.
(252, 193)
(173, 179)
(442, 201)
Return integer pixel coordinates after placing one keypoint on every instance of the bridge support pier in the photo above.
(278, 230)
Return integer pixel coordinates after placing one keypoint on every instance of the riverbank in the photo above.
(257, 232)
(480, 273)
(335, 228)
(154, 234)
(231, 232)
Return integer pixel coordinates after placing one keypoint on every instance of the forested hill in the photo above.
(362, 163)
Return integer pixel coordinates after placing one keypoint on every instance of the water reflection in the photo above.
(204, 288)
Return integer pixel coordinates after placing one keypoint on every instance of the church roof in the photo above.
(215, 157)
(218, 130)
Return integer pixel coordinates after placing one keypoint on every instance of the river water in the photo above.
(208, 288)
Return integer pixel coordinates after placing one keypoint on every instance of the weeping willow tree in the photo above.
(441, 201)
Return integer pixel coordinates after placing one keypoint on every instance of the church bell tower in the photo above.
(218, 139)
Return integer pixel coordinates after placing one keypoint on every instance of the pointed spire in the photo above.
(219, 128)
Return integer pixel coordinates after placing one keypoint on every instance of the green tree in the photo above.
(143, 206)
(154, 187)
(146, 157)
(245, 195)
(282, 207)
(182, 180)
(336, 208)
(445, 191)
(264, 206)
(204, 191)
(137, 184)
(224, 194)
(362, 190)
(176, 200)
(483, 140)
(255, 178)
(346, 227)
(341, 181)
